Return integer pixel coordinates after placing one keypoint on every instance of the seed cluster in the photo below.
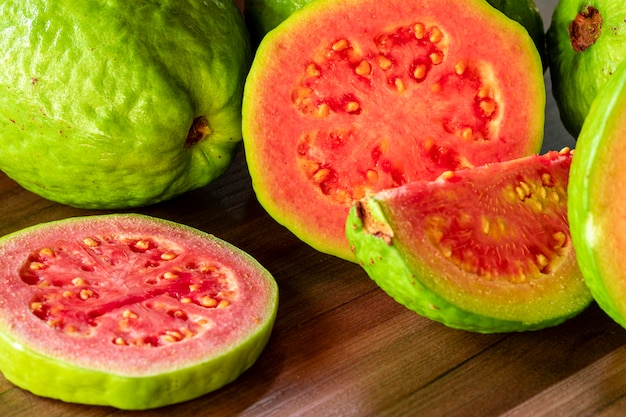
(404, 56)
(351, 79)
(502, 242)
(368, 171)
(111, 297)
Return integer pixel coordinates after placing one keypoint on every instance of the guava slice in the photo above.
(111, 104)
(384, 93)
(596, 205)
(129, 311)
(264, 15)
(586, 42)
(485, 250)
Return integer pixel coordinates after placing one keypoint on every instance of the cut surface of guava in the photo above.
(264, 15)
(385, 93)
(129, 311)
(485, 249)
(597, 188)
(586, 42)
(113, 104)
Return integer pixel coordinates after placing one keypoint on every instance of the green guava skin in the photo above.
(577, 77)
(121, 385)
(99, 98)
(44, 377)
(415, 280)
(596, 207)
(264, 15)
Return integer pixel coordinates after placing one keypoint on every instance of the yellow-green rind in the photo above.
(100, 95)
(577, 77)
(596, 197)
(63, 378)
(42, 376)
(384, 262)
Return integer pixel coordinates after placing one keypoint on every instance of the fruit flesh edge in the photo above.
(596, 207)
(175, 376)
(539, 301)
(323, 229)
(527, 14)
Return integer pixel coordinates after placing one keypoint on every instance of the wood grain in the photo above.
(342, 347)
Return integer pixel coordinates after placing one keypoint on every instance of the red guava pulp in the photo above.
(129, 311)
(346, 98)
(485, 249)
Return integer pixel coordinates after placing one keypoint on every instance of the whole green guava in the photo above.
(115, 104)
(586, 42)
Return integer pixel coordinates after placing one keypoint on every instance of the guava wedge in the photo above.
(596, 204)
(129, 311)
(586, 42)
(485, 250)
(114, 104)
(264, 15)
(346, 98)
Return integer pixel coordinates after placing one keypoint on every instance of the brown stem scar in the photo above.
(585, 29)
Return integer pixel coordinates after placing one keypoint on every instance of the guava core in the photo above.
(345, 98)
(586, 42)
(114, 104)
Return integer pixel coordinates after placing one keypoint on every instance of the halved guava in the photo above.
(264, 15)
(345, 98)
(597, 213)
(115, 104)
(586, 42)
(485, 250)
(129, 311)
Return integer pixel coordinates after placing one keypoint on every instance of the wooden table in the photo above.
(342, 347)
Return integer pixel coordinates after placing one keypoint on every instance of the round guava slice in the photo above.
(346, 98)
(597, 213)
(485, 250)
(114, 104)
(264, 15)
(586, 42)
(129, 311)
